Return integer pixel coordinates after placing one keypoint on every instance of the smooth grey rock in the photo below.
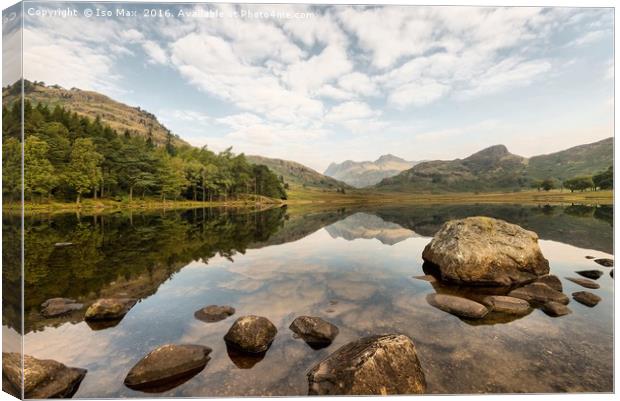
(586, 298)
(486, 251)
(252, 334)
(375, 365)
(314, 330)
(584, 282)
(539, 293)
(458, 306)
(43, 378)
(214, 313)
(555, 309)
(167, 366)
(508, 305)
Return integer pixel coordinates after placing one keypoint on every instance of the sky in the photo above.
(321, 84)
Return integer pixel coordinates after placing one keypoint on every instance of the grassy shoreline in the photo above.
(318, 198)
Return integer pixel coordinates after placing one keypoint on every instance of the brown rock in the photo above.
(586, 298)
(590, 257)
(458, 306)
(59, 306)
(426, 277)
(509, 305)
(552, 281)
(584, 282)
(486, 251)
(43, 378)
(314, 330)
(252, 334)
(592, 274)
(109, 309)
(555, 309)
(167, 366)
(214, 313)
(539, 293)
(605, 262)
(375, 365)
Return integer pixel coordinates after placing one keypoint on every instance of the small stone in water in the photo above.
(584, 282)
(586, 298)
(605, 262)
(593, 274)
(555, 309)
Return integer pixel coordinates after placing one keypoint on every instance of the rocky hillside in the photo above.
(295, 173)
(364, 174)
(117, 115)
(496, 169)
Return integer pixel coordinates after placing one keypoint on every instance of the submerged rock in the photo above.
(458, 306)
(539, 293)
(59, 306)
(552, 281)
(486, 251)
(214, 313)
(611, 273)
(427, 277)
(593, 274)
(509, 305)
(109, 309)
(251, 334)
(586, 298)
(584, 282)
(605, 262)
(63, 244)
(167, 366)
(590, 257)
(555, 309)
(375, 365)
(43, 378)
(314, 330)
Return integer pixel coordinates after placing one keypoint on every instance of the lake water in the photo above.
(353, 266)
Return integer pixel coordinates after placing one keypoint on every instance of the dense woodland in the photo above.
(69, 157)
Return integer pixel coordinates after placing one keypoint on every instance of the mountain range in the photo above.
(368, 173)
(496, 169)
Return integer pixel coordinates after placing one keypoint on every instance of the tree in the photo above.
(536, 184)
(172, 177)
(548, 184)
(84, 170)
(39, 177)
(604, 179)
(11, 168)
(580, 183)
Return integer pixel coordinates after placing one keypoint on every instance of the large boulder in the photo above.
(109, 309)
(167, 366)
(539, 293)
(314, 330)
(375, 365)
(59, 306)
(458, 306)
(43, 378)
(252, 334)
(214, 313)
(486, 251)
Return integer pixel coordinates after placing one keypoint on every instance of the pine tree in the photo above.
(84, 172)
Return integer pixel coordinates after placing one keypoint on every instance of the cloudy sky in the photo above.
(323, 84)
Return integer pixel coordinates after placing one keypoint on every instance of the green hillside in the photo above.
(116, 115)
(297, 174)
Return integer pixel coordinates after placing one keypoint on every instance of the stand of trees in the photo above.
(68, 157)
(601, 180)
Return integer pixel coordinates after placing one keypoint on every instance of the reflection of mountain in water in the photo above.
(369, 226)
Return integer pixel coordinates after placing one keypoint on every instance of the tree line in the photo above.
(68, 157)
(599, 181)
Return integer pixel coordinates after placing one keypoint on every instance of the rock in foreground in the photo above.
(42, 378)
(584, 282)
(555, 309)
(552, 281)
(109, 309)
(586, 298)
(375, 365)
(252, 334)
(605, 262)
(539, 293)
(167, 366)
(59, 306)
(458, 306)
(486, 251)
(314, 330)
(214, 313)
(509, 305)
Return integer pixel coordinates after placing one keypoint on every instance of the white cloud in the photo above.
(155, 52)
(417, 93)
(359, 83)
(132, 35)
(588, 38)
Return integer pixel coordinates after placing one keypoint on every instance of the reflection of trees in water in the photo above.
(123, 253)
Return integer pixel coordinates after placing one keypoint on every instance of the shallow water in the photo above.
(354, 267)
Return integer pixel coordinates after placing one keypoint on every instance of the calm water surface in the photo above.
(353, 266)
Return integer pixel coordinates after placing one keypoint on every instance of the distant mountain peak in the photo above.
(492, 152)
(388, 158)
(367, 173)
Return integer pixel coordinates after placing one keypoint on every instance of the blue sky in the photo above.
(322, 84)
